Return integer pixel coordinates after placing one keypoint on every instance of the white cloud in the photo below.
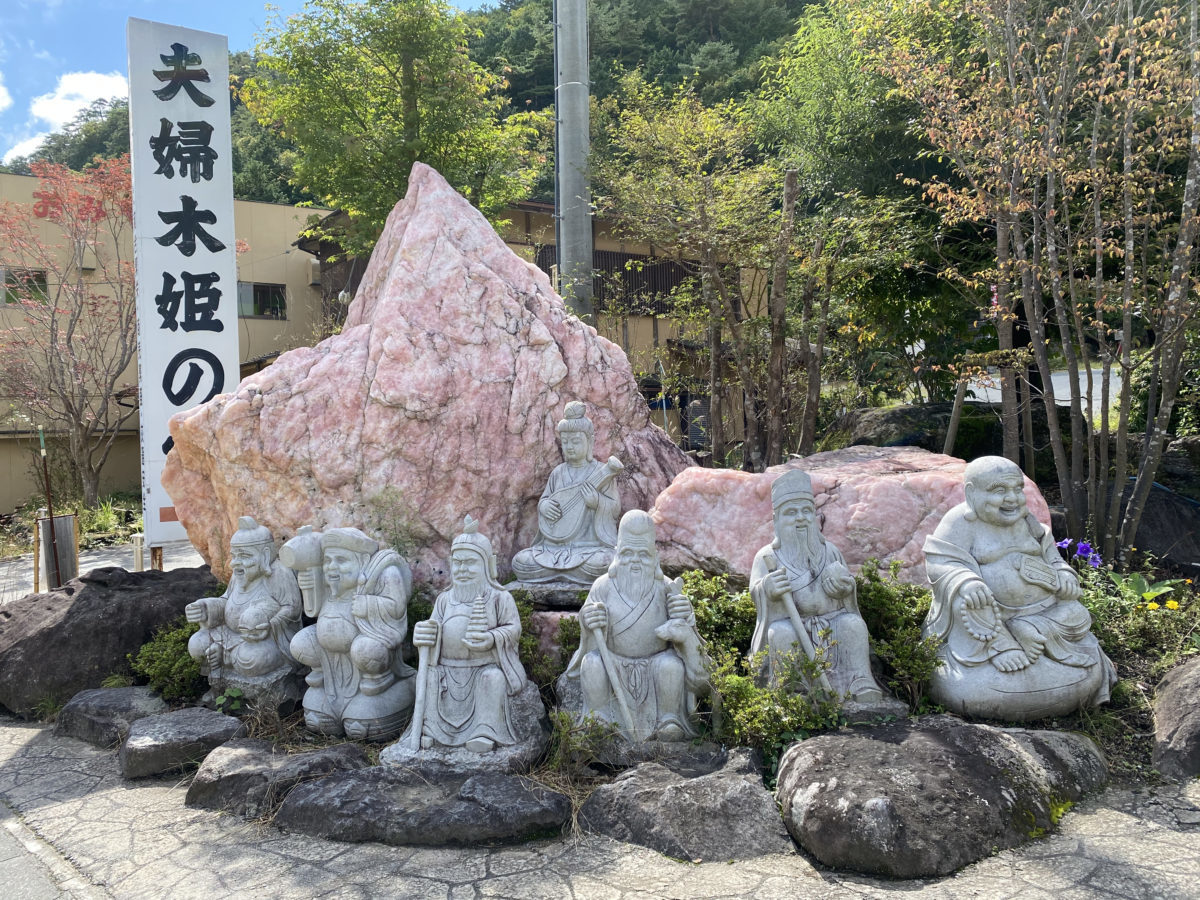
(26, 147)
(5, 96)
(74, 92)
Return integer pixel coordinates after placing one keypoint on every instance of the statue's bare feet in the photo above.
(1011, 661)
(1033, 642)
(480, 745)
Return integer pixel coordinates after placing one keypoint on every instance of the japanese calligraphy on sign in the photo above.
(184, 239)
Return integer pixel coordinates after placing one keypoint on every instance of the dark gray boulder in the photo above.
(401, 807)
(1180, 468)
(103, 716)
(175, 741)
(54, 645)
(251, 778)
(923, 799)
(1177, 722)
(721, 815)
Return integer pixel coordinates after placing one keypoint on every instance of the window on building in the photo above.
(266, 301)
(23, 284)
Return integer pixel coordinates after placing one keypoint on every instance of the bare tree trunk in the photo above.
(1029, 453)
(1178, 307)
(812, 403)
(777, 308)
(716, 425)
(1010, 426)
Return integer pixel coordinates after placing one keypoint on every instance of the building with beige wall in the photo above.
(287, 288)
(278, 306)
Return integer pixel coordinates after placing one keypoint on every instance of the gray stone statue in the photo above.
(805, 597)
(468, 648)
(475, 708)
(640, 663)
(577, 515)
(360, 685)
(245, 634)
(1018, 643)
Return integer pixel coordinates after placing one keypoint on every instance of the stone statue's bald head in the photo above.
(995, 491)
(987, 468)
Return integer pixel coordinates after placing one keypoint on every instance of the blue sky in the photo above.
(57, 56)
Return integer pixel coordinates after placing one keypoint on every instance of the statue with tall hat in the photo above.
(805, 598)
(578, 511)
(640, 663)
(1017, 643)
(469, 667)
(358, 592)
(245, 634)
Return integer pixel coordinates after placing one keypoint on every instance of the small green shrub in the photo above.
(1138, 620)
(724, 619)
(48, 708)
(391, 516)
(574, 746)
(544, 668)
(167, 666)
(894, 612)
(232, 702)
(117, 680)
(769, 717)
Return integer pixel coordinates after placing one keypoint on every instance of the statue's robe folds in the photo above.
(246, 660)
(833, 624)
(467, 691)
(1070, 673)
(342, 648)
(659, 683)
(583, 556)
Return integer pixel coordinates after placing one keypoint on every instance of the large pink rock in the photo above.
(877, 502)
(439, 398)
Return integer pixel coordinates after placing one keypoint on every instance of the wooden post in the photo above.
(955, 415)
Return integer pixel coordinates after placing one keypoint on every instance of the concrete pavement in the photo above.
(73, 828)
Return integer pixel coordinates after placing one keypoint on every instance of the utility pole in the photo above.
(572, 141)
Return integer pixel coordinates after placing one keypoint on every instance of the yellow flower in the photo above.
(1172, 604)
(1151, 605)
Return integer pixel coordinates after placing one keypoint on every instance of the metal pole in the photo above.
(57, 580)
(572, 192)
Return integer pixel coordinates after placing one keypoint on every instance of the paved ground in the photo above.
(16, 573)
(72, 828)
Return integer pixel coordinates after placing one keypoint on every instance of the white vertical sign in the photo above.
(184, 241)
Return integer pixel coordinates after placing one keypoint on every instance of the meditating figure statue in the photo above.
(244, 635)
(360, 685)
(805, 599)
(469, 668)
(640, 662)
(1018, 643)
(577, 515)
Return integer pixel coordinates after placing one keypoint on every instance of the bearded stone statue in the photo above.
(805, 597)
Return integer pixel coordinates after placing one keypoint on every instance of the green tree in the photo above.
(364, 90)
(261, 157)
(1074, 135)
(100, 129)
(681, 176)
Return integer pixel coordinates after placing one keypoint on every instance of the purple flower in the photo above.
(1084, 549)
(1094, 560)
(1063, 544)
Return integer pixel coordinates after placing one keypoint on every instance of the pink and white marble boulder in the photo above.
(876, 502)
(438, 398)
